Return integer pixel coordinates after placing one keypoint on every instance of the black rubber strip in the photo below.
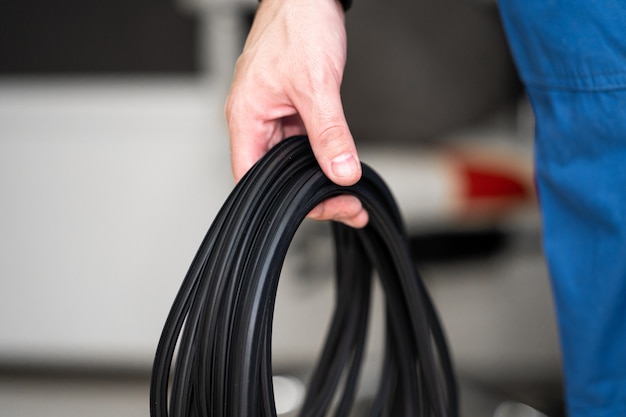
(214, 355)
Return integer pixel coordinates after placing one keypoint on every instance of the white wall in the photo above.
(106, 189)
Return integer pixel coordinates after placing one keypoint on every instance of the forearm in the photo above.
(344, 3)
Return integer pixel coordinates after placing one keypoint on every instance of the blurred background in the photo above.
(114, 159)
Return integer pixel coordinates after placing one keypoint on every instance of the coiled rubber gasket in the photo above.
(214, 355)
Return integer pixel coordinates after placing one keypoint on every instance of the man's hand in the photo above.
(287, 82)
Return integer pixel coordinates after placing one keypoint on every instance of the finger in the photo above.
(330, 138)
(346, 209)
(251, 131)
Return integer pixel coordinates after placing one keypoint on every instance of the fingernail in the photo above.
(344, 165)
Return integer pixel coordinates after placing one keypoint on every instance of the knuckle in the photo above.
(335, 137)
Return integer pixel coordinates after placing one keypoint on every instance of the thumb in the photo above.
(332, 142)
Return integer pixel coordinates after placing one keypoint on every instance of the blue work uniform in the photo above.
(571, 56)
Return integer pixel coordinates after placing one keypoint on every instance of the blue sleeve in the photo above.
(571, 56)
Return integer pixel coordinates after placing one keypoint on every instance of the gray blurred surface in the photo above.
(62, 396)
(417, 69)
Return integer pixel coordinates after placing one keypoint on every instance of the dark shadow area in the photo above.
(71, 37)
(454, 245)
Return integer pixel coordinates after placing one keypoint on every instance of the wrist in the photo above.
(344, 3)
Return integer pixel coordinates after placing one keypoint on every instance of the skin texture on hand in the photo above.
(287, 82)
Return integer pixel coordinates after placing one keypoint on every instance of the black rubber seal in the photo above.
(214, 355)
